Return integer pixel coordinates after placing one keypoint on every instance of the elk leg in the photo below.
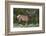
(26, 23)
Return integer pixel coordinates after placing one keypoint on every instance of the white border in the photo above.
(29, 28)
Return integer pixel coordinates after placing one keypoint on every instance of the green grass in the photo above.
(30, 25)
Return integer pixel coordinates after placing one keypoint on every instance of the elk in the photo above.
(23, 18)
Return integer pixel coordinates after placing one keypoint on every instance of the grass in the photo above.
(26, 25)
